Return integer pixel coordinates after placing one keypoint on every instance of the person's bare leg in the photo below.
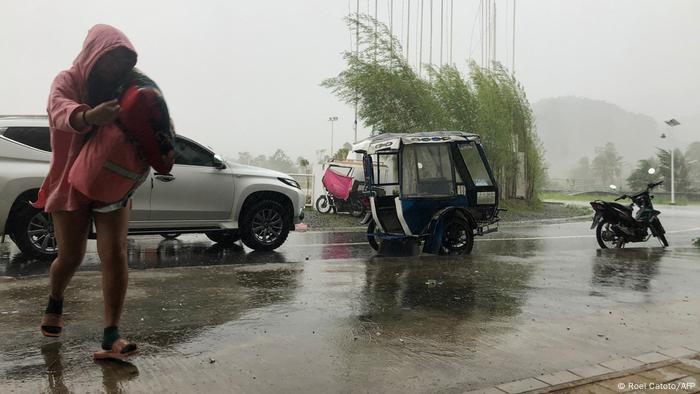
(112, 248)
(71, 230)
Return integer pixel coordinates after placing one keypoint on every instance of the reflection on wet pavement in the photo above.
(632, 268)
(324, 314)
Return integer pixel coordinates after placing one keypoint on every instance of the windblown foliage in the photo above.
(392, 97)
(681, 170)
(640, 177)
(607, 164)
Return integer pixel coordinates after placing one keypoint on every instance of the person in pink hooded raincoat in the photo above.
(82, 104)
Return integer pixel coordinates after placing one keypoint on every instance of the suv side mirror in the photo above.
(219, 162)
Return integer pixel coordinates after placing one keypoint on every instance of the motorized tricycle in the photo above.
(436, 188)
(342, 192)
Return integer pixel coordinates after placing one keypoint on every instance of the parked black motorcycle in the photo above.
(616, 225)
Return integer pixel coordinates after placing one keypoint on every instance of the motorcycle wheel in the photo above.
(323, 204)
(659, 232)
(603, 235)
(357, 208)
(662, 239)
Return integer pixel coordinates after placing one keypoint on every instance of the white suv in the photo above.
(204, 194)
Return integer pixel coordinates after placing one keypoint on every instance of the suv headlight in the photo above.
(290, 182)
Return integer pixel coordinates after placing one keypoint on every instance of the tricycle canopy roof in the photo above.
(392, 141)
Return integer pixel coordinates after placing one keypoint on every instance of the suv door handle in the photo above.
(165, 177)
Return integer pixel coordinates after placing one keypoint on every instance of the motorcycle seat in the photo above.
(620, 206)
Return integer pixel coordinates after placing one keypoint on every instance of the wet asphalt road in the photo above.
(324, 314)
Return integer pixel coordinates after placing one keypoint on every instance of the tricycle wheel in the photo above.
(371, 238)
(458, 237)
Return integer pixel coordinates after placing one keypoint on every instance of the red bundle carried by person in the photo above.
(145, 119)
(108, 168)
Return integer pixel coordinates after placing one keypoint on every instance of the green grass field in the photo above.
(536, 210)
(607, 197)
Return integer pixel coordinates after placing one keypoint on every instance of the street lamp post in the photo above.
(332, 119)
(672, 123)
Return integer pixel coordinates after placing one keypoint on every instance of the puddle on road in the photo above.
(631, 269)
(224, 317)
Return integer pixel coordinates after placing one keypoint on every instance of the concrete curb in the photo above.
(612, 369)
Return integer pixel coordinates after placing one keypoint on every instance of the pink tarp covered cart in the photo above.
(343, 192)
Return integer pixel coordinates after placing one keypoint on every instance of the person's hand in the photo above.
(103, 114)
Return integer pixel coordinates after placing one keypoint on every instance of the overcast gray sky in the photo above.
(244, 75)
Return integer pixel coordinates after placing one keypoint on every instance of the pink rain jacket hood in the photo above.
(70, 185)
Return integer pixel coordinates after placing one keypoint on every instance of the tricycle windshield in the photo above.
(385, 171)
(475, 164)
(427, 171)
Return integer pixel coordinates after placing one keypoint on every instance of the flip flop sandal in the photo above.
(52, 325)
(121, 349)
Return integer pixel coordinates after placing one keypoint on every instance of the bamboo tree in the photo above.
(392, 97)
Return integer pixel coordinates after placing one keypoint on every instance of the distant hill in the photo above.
(572, 127)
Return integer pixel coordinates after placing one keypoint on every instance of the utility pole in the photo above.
(487, 30)
(332, 119)
(431, 33)
(672, 123)
(357, 54)
(408, 30)
(442, 19)
(420, 52)
(673, 177)
(481, 25)
(391, 25)
(512, 67)
(452, 16)
(376, 6)
(494, 31)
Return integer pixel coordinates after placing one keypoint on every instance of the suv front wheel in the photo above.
(265, 226)
(33, 233)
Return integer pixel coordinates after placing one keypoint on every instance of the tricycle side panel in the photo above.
(419, 213)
